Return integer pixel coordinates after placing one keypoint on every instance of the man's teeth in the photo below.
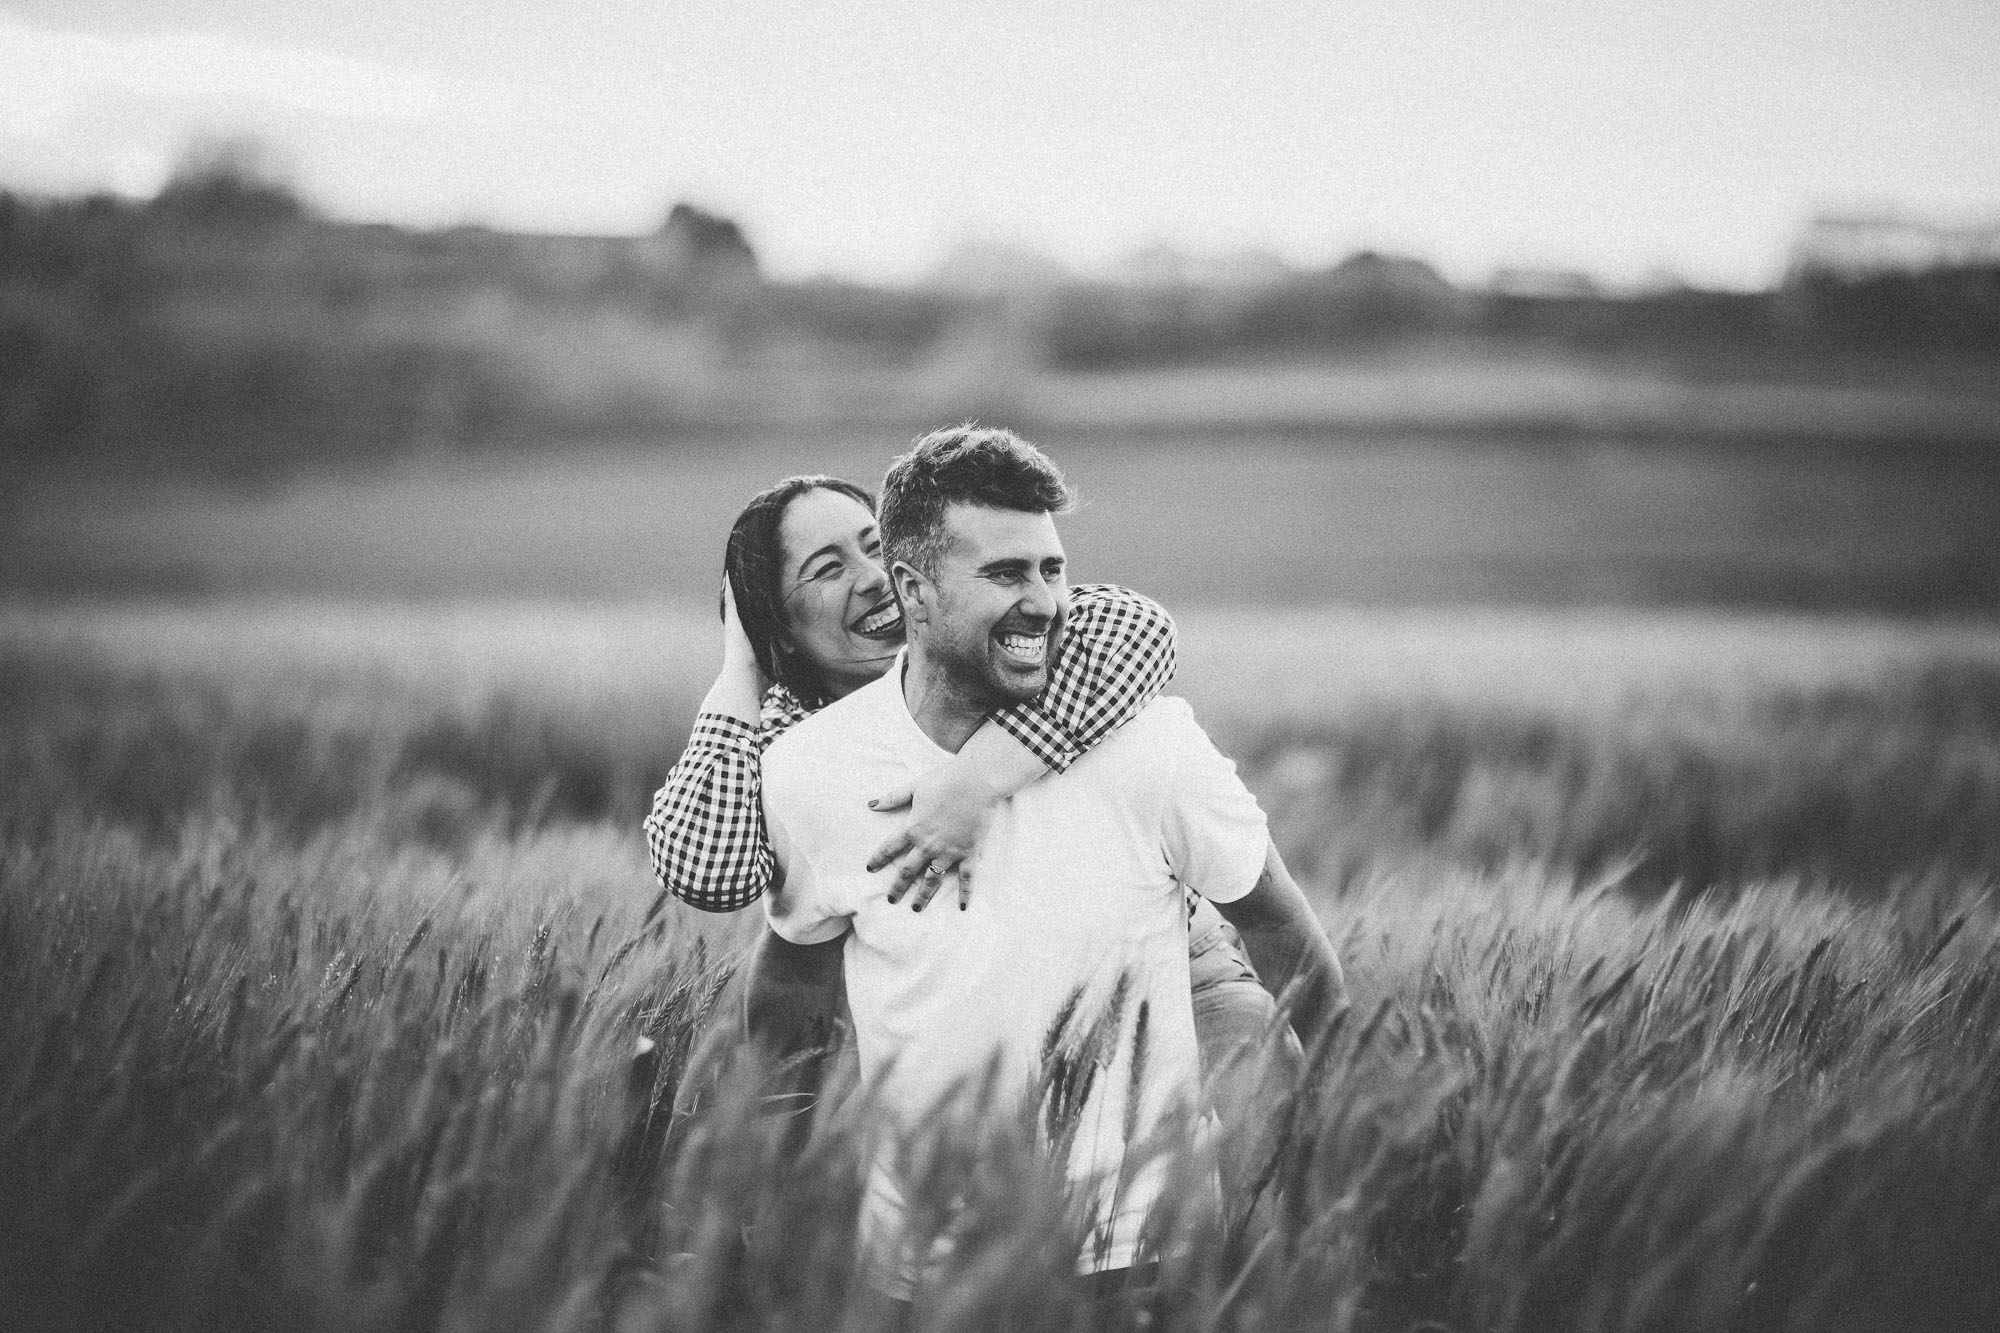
(1027, 647)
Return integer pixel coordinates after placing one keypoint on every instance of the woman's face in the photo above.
(839, 607)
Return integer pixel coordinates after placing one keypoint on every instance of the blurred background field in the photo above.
(328, 938)
(219, 391)
(1195, 520)
(1619, 667)
(1703, 749)
(309, 514)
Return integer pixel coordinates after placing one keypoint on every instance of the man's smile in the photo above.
(1024, 641)
(1027, 649)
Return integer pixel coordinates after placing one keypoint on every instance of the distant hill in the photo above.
(224, 325)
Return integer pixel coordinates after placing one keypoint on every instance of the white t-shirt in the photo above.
(1077, 881)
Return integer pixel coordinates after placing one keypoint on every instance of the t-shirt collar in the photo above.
(901, 707)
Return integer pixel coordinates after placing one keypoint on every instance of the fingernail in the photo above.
(871, 803)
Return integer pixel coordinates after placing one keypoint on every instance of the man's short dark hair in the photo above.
(968, 464)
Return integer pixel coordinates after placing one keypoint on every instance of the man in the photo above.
(1068, 972)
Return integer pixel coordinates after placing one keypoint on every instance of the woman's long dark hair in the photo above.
(755, 561)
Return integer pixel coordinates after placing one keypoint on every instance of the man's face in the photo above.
(994, 613)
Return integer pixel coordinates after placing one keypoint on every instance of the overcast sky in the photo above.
(1689, 137)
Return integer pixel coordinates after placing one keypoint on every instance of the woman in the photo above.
(808, 616)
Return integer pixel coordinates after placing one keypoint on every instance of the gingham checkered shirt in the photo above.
(706, 830)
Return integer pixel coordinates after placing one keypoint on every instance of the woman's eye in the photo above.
(825, 571)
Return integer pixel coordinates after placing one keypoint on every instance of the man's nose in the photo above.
(1039, 597)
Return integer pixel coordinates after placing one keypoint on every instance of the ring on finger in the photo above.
(934, 870)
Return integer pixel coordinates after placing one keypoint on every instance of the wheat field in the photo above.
(326, 943)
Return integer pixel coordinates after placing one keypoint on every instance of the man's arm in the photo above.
(792, 1008)
(792, 998)
(792, 1001)
(1288, 947)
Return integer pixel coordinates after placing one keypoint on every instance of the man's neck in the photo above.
(942, 711)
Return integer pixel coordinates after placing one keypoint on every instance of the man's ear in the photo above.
(913, 590)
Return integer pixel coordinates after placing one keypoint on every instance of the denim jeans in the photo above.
(1246, 1068)
(1231, 1007)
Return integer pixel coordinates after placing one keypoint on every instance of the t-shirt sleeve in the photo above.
(1216, 834)
(803, 905)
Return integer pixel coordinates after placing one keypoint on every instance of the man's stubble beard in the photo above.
(967, 677)
(966, 668)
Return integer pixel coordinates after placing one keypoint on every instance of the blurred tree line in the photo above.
(226, 325)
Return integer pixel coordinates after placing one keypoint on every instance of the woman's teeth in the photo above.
(880, 620)
(1027, 647)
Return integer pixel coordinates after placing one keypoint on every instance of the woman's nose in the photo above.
(870, 577)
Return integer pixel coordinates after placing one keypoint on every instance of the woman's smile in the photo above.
(882, 622)
(841, 610)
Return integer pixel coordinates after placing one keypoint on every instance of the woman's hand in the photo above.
(738, 657)
(950, 807)
(739, 687)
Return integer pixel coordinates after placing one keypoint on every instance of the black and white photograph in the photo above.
(917, 666)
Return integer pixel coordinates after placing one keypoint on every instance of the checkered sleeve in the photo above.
(706, 833)
(1116, 655)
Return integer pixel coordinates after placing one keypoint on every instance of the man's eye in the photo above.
(825, 571)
